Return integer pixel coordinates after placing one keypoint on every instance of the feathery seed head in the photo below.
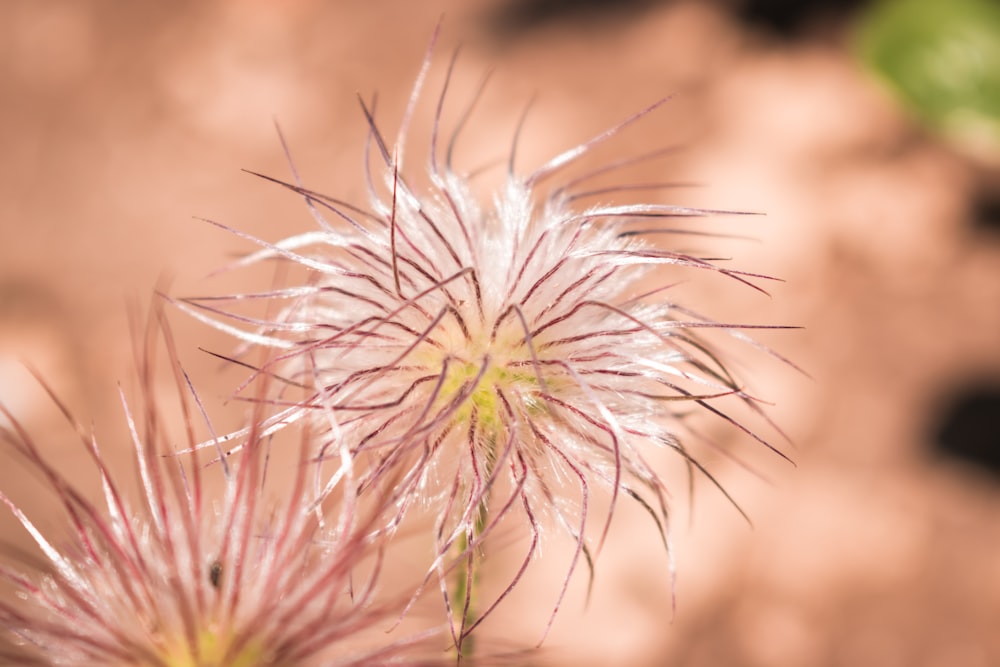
(236, 574)
(510, 356)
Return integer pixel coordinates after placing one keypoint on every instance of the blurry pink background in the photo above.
(122, 122)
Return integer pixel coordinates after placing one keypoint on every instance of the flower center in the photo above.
(216, 650)
(481, 388)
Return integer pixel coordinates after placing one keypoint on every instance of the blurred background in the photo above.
(867, 133)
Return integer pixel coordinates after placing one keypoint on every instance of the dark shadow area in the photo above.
(986, 209)
(793, 19)
(968, 429)
(512, 19)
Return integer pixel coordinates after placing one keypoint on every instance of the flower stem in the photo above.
(468, 583)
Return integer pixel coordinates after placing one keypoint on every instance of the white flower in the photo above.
(511, 355)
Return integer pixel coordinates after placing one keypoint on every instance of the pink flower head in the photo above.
(511, 355)
(248, 576)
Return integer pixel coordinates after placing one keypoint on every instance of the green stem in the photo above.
(468, 582)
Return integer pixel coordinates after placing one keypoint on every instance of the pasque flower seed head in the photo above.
(511, 354)
(195, 574)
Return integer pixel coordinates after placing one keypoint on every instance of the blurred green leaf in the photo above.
(943, 59)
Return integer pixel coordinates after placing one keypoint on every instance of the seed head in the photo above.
(511, 354)
(248, 576)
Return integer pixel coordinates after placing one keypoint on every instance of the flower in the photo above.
(511, 355)
(191, 577)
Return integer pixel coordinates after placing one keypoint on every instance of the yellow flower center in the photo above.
(483, 398)
(215, 650)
